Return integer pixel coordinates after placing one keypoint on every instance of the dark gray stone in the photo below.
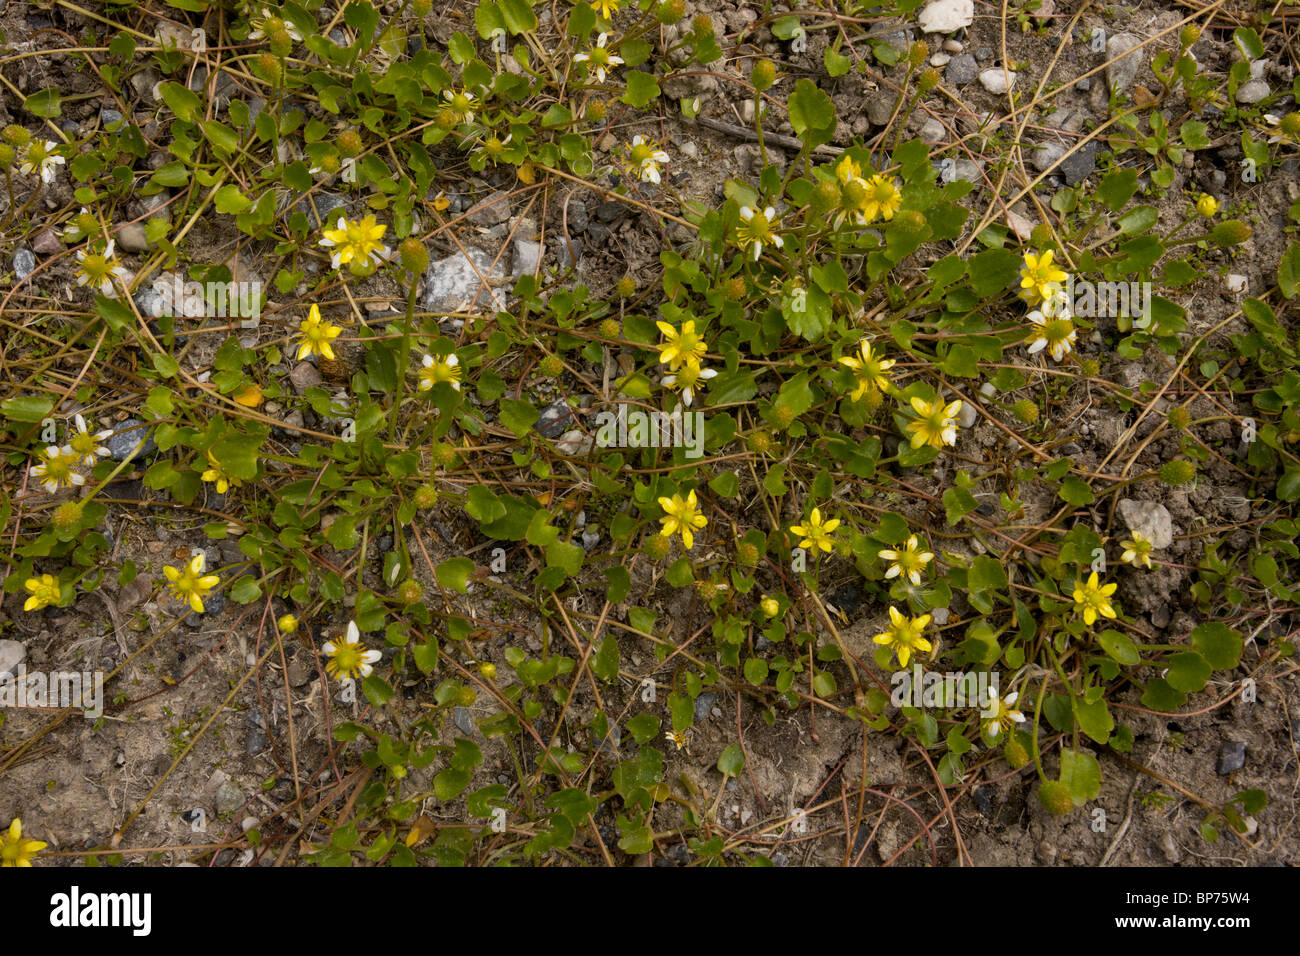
(128, 434)
(460, 717)
(570, 253)
(577, 213)
(24, 262)
(555, 419)
(962, 70)
(1079, 165)
(704, 706)
(1232, 757)
(319, 207)
(107, 116)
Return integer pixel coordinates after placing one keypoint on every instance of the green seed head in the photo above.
(415, 258)
(703, 24)
(747, 553)
(824, 198)
(1055, 796)
(918, 53)
(1231, 232)
(269, 66)
(928, 79)
(626, 287)
(1015, 753)
(1179, 418)
(734, 288)
(551, 366)
(67, 515)
(16, 136)
(445, 455)
(350, 142)
(410, 591)
(422, 7)
(280, 42)
(1180, 471)
(595, 111)
(1026, 411)
(760, 443)
(1189, 35)
(763, 75)
(7, 155)
(1091, 368)
(657, 547)
(670, 11)
(610, 329)
(426, 496)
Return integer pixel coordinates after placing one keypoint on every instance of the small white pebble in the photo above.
(1234, 282)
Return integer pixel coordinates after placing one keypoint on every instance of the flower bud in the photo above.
(626, 287)
(410, 591)
(414, 256)
(610, 329)
(426, 496)
(287, 624)
(657, 547)
(763, 75)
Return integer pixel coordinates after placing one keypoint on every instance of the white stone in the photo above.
(947, 16)
(998, 81)
(1149, 519)
(1252, 92)
(940, 59)
(11, 655)
(967, 416)
(1234, 282)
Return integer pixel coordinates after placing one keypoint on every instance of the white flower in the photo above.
(646, 161)
(258, 31)
(600, 61)
(756, 229)
(97, 270)
(46, 162)
(439, 370)
(1056, 333)
(57, 468)
(87, 446)
(348, 658)
(999, 714)
(688, 378)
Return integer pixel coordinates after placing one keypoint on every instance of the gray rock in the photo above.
(880, 108)
(932, 132)
(998, 80)
(570, 253)
(305, 376)
(1150, 519)
(1169, 848)
(24, 262)
(215, 604)
(1252, 92)
(132, 238)
(229, 799)
(256, 741)
(1232, 757)
(107, 116)
(578, 216)
(1046, 156)
(122, 444)
(456, 283)
(318, 208)
(967, 417)
(460, 717)
(704, 706)
(528, 255)
(1084, 85)
(12, 654)
(947, 16)
(1079, 165)
(962, 70)
(492, 210)
(555, 419)
(610, 211)
(968, 170)
(1161, 616)
(1122, 49)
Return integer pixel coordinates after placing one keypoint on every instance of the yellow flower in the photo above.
(885, 198)
(287, 623)
(216, 474)
(86, 445)
(868, 371)
(678, 739)
(349, 659)
(1137, 551)
(1207, 205)
(442, 370)
(816, 533)
(1038, 275)
(755, 229)
(317, 336)
(908, 561)
(937, 425)
(682, 515)
(904, 636)
(605, 8)
(1000, 714)
(682, 348)
(189, 584)
(846, 170)
(1092, 599)
(55, 468)
(14, 850)
(355, 244)
(44, 591)
(770, 606)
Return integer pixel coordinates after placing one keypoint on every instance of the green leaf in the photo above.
(184, 103)
(46, 103)
(1248, 42)
(518, 415)
(1159, 696)
(642, 89)
(27, 408)
(1219, 644)
(1075, 491)
(986, 573)
(562, 554)
(643, 728)
(1094, 719)
(246, 590)
(454, 573)
(377, 690)
(1188, 672)
(1120, 647)
(1081, 774)
(426, 655)
(732, 761)
(756, 671)
(1116, 189)
(810, 108)
(604, 663)
(230, 200)
(1288, 271)
(518, 15)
